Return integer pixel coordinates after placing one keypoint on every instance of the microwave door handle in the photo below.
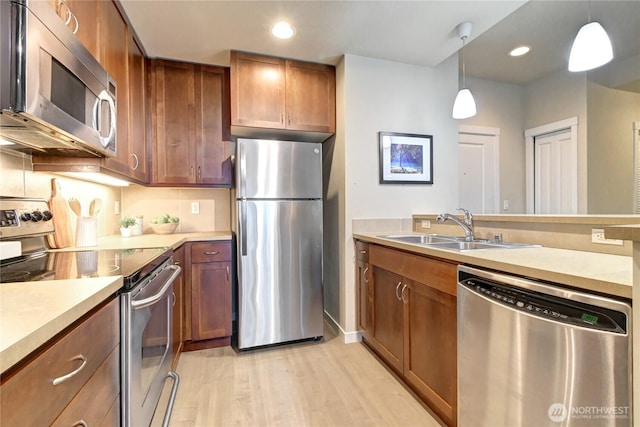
(146, 302)
(97, 116)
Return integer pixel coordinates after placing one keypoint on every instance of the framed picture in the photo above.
(406, 158)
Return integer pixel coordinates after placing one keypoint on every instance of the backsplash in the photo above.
(19, 180)
(213, 205)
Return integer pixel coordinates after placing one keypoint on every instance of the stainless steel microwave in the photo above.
(55, 98)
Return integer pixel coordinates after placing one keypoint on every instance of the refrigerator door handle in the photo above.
(243, 227)
(242, 187)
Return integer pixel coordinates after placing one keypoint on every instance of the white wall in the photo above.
(387, 96)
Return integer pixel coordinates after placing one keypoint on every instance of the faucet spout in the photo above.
(466, 225)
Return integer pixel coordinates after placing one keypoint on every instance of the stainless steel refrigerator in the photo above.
(278, 222)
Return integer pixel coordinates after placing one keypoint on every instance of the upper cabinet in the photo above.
(113, 41)
(281, 94)
(81, 17)
(190, 123)
(138, 150)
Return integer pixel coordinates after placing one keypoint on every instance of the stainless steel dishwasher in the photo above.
(534, 354)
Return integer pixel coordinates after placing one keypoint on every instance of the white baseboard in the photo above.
(347, 337)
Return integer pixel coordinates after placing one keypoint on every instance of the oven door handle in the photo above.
(146, 302)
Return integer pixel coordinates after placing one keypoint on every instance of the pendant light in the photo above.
(464, 106)
(591, 48)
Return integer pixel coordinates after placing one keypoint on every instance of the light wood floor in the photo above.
(318, 384)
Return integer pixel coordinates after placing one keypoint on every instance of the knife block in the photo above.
(86, 231)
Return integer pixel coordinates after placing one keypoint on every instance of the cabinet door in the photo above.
(81, 16)
(430, 346)
(387, 330)
(365, 298)
(178, 306)
(113, 36)
(174, 123)
(213, 147)
(210, 300)
(138, 150)
(311, 97)
(257, 91)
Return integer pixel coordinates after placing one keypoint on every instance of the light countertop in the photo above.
(31, 313)
(602, 273)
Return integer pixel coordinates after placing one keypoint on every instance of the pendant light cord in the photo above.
(464, 84)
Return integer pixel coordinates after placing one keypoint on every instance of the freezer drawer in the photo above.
(279, 271)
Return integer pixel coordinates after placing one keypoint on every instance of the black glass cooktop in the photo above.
(133, 264)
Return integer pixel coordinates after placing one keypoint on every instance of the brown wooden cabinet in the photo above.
(81, 16)
(178, 307)
(190, 120)
(414, 323)
(113, 45)
(276, 93)
(209, 284)
(365, 290)
(37, 392)
(137, 147)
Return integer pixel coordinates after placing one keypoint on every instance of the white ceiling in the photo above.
(413, 32)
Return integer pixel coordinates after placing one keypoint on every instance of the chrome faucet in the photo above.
(467, 224)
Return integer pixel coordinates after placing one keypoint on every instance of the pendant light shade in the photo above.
(464, 106)
(591, 48)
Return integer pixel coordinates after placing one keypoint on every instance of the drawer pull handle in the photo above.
(80, 423)
(211, 252)
(228, 272)
(402, 293)
(397, 289)
(71, 374)
(363, 251)
(364, 275)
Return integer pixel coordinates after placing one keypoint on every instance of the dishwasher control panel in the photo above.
(548, 306)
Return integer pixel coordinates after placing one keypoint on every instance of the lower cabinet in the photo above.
(412, 324)
(208, 297)
(73, 380)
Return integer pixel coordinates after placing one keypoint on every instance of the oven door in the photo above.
(147, 346)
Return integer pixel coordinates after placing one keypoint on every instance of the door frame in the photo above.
(494, 134)
(530, 135)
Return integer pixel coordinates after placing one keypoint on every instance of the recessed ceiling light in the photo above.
(283, 30)
(519, 51)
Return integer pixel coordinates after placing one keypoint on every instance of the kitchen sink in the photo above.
(423, 239)
(443, 241)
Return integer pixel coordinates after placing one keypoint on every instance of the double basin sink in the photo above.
(442, 241)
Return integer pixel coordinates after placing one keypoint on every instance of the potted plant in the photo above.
(125, 225)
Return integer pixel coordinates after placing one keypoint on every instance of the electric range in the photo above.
(28, 221)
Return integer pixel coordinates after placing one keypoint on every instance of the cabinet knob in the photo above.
(199, 172)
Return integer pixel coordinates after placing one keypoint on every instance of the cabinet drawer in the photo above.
(29, 396)
(362, 251)
(94, 401)
(210, 252)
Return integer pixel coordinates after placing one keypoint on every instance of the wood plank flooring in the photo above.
(317, 384)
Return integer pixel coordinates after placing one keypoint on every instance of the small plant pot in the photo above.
(126, 232)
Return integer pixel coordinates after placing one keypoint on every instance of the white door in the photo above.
(478, 184)
(554, 182)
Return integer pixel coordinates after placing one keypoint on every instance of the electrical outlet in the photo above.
(597, 236)
(116, 208)
(505, 205)
(195, 207)
(426, 223)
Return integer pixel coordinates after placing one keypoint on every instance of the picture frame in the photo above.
(405, 158)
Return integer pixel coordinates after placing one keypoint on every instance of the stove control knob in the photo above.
(36, 216)
(47, 215)
(25, 216)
